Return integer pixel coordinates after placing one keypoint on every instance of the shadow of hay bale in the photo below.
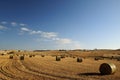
(90, 74)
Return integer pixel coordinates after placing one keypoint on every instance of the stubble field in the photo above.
(46, 67)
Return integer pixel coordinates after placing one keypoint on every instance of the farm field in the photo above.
(46, 67)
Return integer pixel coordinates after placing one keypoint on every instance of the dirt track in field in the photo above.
(12, 69)
(47, 68)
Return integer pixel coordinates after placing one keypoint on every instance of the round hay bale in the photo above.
(42, 55)
(17, 55)
(2, 54)
(62, 56)
(74, 57)
(112, 57)
(118, 59)
(18, 50)
(11, 56)
(96, 58)
(30, 55)
(79, 59)
(21, 57)
(107, 68)
(58, 58)
(33, 55)
(67, 56)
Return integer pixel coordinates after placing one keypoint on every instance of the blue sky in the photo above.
(59, 24)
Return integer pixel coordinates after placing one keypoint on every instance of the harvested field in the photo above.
(47, 68)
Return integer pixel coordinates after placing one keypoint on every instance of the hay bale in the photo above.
(42, 55)
(58, 58)
(22, 57)
(30, 55)
(2, 54)
(11, 56)
(118, 59)
(33, 55)
(62, 56)
(19, 51)
(79, 59)
(112, 57)
(17, 55)
(66, 56)
(96, 58)
(107, 68)
(74, 57)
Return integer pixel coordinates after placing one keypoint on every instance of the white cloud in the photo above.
(21, 24)
(25, 29)
(49, 34)
(13, 23)
(42, 36)
(63, 41)
(2, 27)
(35, 32)
(40, 33)
(53, 38)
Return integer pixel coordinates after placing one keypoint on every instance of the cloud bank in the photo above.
(46, 35)
(42, 35)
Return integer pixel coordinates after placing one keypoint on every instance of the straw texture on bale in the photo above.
(58, 58)
(79, 59)
(107, 68)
